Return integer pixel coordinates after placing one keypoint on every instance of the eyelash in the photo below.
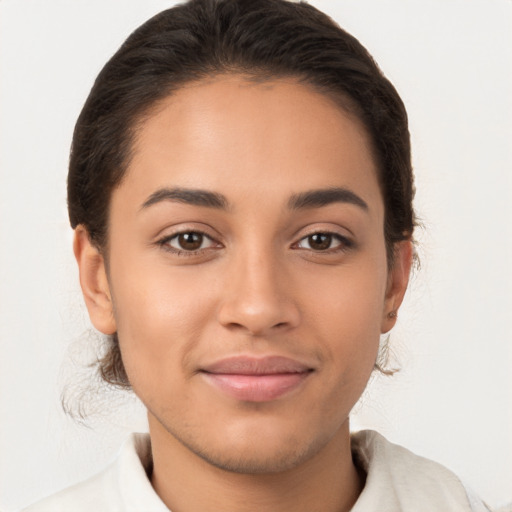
(345, 244)
(164, 243)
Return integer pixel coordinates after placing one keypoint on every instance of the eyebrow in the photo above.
(325, 197)
(193, 197)
(303, 200)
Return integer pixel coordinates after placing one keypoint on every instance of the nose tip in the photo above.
(257, 319)
(258, 303)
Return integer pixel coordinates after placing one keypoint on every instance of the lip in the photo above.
(256, 379)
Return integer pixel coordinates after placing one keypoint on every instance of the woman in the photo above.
(241, 191)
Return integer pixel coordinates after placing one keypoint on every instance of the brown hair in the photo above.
(262, 39)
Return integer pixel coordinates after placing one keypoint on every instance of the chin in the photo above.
(260, 458)
(260, 447)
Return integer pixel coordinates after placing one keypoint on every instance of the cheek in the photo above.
(345, 311)
(159, 315)
(349, 299)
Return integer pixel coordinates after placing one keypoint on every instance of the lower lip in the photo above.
(256, 388)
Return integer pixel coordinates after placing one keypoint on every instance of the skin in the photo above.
(258, 285)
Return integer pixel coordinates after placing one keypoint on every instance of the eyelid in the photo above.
(346, 242)
(339, 239)
(204, 237)
(163, 241)
(171, 230)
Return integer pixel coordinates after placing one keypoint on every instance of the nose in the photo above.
(258, 297)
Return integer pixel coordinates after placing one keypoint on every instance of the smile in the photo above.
(256, 379)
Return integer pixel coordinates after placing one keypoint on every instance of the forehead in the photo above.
(233, 135)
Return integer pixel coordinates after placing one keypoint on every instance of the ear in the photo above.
(398, 279)
(94, 282)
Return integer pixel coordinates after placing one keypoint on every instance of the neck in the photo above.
(185, 482)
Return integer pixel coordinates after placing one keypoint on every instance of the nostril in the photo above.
(257, 313)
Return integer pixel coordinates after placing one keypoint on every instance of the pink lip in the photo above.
(256, 379)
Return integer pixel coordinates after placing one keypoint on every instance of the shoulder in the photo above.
(96, 493)
(397, 479)
(122, 487)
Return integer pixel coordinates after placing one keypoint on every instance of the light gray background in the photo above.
(450, 60)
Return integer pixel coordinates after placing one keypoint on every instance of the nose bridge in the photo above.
(257, 296)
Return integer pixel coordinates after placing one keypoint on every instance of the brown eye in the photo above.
(320, 241)
(323, 242)
(189, 241)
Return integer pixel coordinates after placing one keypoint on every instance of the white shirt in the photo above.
(397, 481)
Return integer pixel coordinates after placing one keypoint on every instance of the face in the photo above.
(247, 275)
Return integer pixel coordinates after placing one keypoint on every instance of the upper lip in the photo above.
(248, 365)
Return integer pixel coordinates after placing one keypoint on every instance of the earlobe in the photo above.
(94, 282)
(398, 279)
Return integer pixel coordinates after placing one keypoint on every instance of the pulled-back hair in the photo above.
(262, 39)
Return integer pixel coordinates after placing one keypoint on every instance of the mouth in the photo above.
(254, 379)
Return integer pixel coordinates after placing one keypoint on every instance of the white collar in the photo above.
(397, 480)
